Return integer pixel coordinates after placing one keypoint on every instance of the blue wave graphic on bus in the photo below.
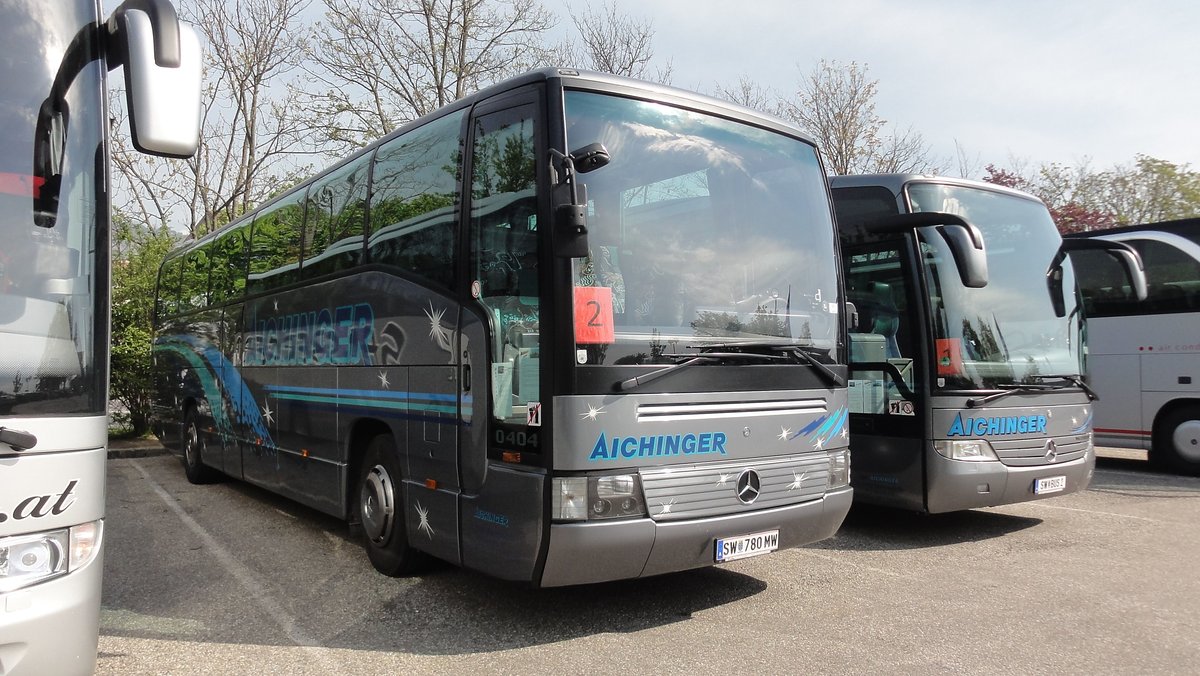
(826, 428)
(408, 404)
(1086, 426)
(210, 365)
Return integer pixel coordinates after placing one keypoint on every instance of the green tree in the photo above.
(137, 252)
(1081, 198)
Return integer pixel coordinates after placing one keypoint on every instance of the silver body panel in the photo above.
(688, 451)
(1040, 439)
(601, 551)
(54, 485)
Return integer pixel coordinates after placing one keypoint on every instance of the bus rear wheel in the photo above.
(1176, 444)
(193, 452)
(380, 509)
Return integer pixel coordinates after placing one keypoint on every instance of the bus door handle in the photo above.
(466, 378)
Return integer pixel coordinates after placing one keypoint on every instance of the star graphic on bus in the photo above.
(797, 480)
(383, 380)
(268, 414)
(442, 335)
(593, 412)
(783, 433)
(818, 443)
(423, 517)
(666, 507)
(723, 480)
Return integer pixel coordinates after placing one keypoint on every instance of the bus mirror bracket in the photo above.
(1128, 258)
(964, 239)
(570, 198)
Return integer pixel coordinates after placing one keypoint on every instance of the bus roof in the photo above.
(569, 78)
(897, 182)
(1185, 227)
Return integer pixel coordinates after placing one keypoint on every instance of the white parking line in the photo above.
(246, 578)
(1043, 505)
(842, 561)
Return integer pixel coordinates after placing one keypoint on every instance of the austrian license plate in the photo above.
(1051, 484)
(744, 546)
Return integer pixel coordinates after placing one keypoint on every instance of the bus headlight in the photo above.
(26, 560)
(839, 469)
(597, 497)
(971, 450)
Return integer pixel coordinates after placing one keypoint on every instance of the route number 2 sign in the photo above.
(594, 314)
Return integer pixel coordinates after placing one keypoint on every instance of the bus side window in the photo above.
(413, 224)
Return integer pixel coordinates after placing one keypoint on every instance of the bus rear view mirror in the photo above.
(570, 198)
(162, 77)
(1125, 255)
(963, 238)
(970, 256)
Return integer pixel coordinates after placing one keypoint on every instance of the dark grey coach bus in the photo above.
(967, 362)
(572, 328)
(54, 300)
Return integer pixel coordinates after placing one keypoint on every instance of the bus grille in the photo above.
(1037, 452)
(664, 412)
(710, 489)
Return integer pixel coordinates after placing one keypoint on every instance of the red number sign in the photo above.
(594, 314)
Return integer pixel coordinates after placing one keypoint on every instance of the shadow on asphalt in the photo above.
(450, 611)
(869, 528)
(1138, 478)
(444, 610)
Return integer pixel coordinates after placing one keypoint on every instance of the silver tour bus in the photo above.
(967, 358)
(54, 275)
(572, 328)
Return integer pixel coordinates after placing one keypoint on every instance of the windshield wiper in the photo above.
(1075, 380)
(690, 359)
(636, 381)
(798, 350)
(1010, 388)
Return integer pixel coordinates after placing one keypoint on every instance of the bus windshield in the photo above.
(49, 285)
(1007, 332)
(702, 231)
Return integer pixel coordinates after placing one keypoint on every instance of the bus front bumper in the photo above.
(957, 485)
(51, 628)
(600, 551)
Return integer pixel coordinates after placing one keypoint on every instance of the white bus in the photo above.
(54, 272)
(1144, 358)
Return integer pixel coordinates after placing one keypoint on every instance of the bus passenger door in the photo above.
(501, 332)
(887, 411)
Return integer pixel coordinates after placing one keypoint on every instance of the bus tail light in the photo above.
(971, 450)
(26, 560)
(598, 497)
(839, 469)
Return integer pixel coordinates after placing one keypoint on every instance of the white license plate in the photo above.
(744, 546)
(1051, 484)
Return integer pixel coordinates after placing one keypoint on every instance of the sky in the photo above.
(1010, 82)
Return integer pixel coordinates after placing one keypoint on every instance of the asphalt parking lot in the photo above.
(226, 579)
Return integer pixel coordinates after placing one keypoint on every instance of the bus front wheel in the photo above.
(1176, 444)
(193, 452)
(381, 509)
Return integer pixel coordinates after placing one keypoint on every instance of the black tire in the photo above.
(1176, 446)
(379, 509)
(194, 447)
